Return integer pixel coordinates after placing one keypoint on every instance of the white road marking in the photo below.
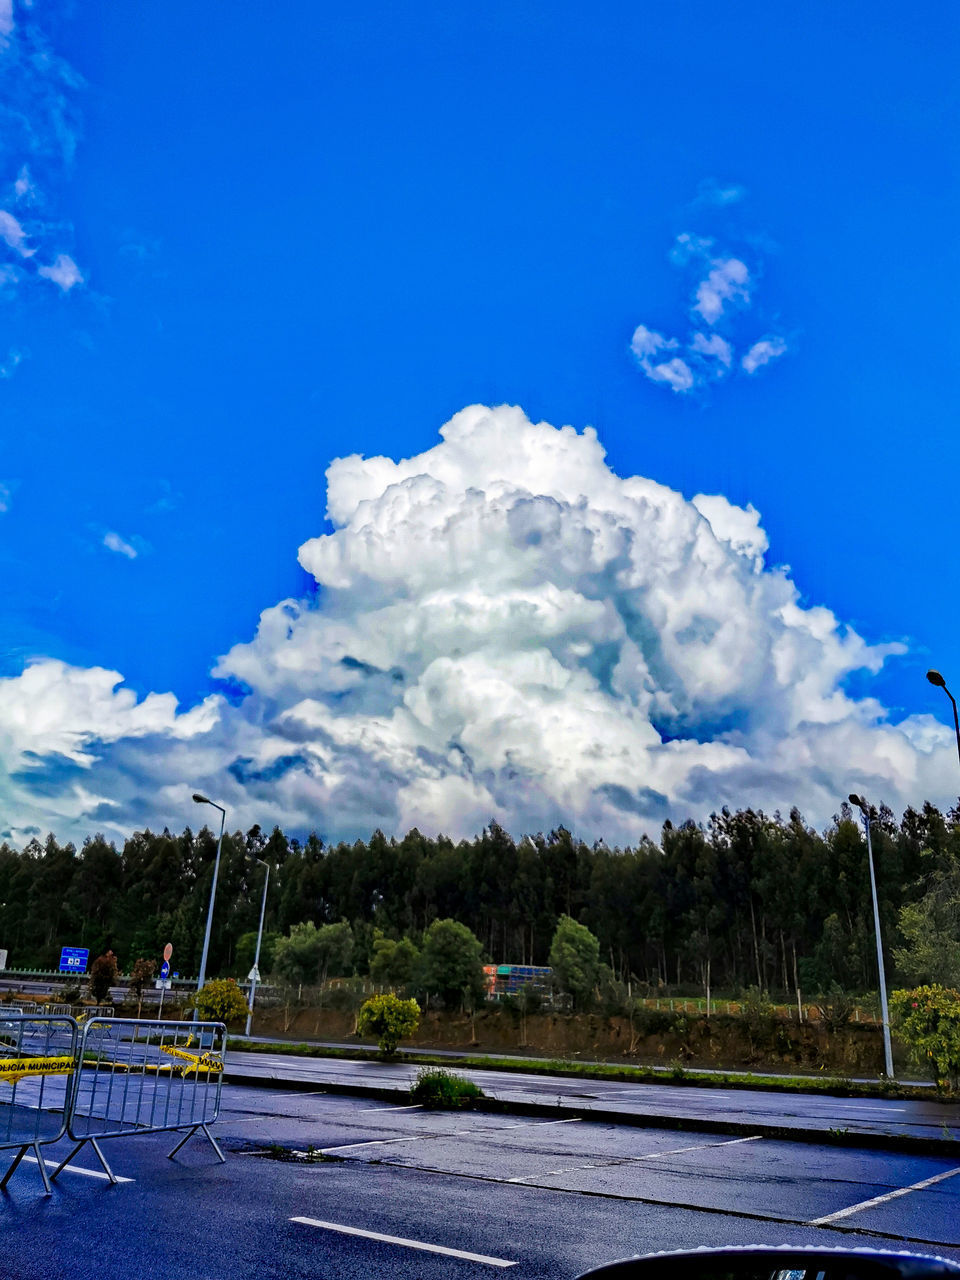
(455, 1133)
(883, 1110)
(74, 1168)
(622, 1160)
(890, 1195)
(632, 1093)
(415, 1106)
(407, 1244)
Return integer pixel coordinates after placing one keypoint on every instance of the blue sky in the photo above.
(243, 248)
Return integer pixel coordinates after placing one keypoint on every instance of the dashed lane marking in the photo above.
(890, 1195)
(407, 1244)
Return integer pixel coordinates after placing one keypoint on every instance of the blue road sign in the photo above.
(165, 971)
(74, 959)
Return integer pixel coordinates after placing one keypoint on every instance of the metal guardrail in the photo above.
(144, 1076)
(38, 1060)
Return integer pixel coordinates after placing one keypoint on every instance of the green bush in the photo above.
(928, 1022)
(221, 1000)
(444, 1090)
(389, 1019)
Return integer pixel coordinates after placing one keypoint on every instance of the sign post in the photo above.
(165, 984)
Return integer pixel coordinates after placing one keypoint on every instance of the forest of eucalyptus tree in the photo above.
(743, 900)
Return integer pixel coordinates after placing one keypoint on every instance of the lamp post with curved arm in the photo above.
(937, 679)
(201, 799)
(887, 1048)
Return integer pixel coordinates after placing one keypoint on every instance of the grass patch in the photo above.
(443, 1090)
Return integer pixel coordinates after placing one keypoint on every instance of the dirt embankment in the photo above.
(725, 1042)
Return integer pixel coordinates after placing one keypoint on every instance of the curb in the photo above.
(948, 1147)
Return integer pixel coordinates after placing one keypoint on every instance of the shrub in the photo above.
(444, 1090)
(837, 1011)
(70, 994)
(221, 1000)
(928, 1022)
(390, 1019)
(103, 975)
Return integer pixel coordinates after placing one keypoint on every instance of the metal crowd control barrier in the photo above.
(38, 1059)
(142, 1076)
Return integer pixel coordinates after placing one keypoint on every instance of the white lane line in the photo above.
(883, 1110)
(623, 1160)
(73, 1168)
(415, 1106)
(455, 1133)
(407, 1244)
(890, 1195)
(631, 1093)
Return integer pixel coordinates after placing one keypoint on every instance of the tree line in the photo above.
(743, 900)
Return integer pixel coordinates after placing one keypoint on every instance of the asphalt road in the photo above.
(551, 1198)
(925, 1119)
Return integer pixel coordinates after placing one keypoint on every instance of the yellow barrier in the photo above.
(14, 1069)
(196, 1062)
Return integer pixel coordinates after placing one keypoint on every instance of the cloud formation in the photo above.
(38, 134)
(113, 542)
(723, 289)
(503, 628)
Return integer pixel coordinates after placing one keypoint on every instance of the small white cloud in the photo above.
(6, 493)
(762, 353)
(711, 192)
(23, 187)
(113, 542)
(676, 373)
(6, 18)
(727, 282)
(712, 347)
(64, 272)
(9, 366)
(687, 246)
(646, 343)
(14, 235)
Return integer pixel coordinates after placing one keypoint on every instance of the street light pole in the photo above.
(256, 959)
(936, 678)
(201, 799)
(887, 1047)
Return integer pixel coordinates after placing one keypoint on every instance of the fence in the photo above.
(145, 1077)
(38, 1061)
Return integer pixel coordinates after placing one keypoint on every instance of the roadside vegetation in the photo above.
(748, 916)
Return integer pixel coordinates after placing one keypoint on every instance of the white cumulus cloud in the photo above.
(728, 281)
(723, 289)
(13, 234)
(63, 271)
(113, 542)
(762, 353)
(504, 628)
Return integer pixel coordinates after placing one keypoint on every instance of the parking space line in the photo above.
(413, 1106)
(890, 1195)
(73, 1168)
(455, 1133)
(622, 1160)
(407, 1244)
